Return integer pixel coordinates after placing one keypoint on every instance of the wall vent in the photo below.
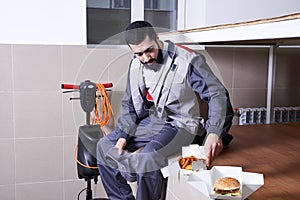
(258, 115)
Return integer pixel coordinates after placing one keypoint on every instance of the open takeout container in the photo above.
(173, 166)
(203, 180)
(192, 150)
(250, 182)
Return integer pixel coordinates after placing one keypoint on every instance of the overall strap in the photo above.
(166, 84)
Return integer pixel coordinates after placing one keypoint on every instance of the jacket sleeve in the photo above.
(211, 90)
(128, 120)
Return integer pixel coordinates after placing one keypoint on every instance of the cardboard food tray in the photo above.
(250, 182)
(173, 167)
(192, 150)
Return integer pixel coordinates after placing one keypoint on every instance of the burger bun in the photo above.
(227, 185)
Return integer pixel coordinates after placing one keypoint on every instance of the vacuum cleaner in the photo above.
(88, 134)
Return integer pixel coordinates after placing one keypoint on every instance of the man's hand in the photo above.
(213, 147)
(121, 143)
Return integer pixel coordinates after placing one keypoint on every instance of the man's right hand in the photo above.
(121, 143)
(213, 147)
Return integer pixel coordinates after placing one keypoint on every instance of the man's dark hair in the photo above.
(137, 31)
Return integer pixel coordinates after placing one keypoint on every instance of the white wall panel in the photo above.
(233, 11)
(42, 22)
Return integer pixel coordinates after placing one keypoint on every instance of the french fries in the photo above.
(186, 162)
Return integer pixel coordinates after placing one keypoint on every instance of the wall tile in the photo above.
(6, 81)
(249, 98)
(72, 115)
(118, 67)
(250, 68)
(38, 114)
(223, 59)
(288, 67)
(72, 189)
(38, 191)
(81, 63)
(283, 71)
(37, 67)
(6, 115)
(116, 100)
(213, 66)
(7, 192)
(39, 160)
(285, 97)
(73, 60)
(7, 160)
(287, 81)
(96, 64)
(74, 71)
(70, 165)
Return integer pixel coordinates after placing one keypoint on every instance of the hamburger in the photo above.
(227, 186)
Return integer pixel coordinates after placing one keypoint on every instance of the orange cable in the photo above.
(105, 106)
(80, 163)
(103, 119)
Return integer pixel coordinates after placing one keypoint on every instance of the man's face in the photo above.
(147, 51)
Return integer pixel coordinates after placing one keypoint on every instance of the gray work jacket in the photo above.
(182, 76)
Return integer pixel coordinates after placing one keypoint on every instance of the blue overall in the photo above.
(143, 167)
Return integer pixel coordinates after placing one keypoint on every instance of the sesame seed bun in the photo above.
(227, 185)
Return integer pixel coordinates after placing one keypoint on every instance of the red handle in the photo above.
(107, 85)
(69, 86)
(72, 86)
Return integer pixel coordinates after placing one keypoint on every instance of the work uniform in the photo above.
(160, 115)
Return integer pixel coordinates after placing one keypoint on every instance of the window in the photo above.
(107, 19)
(161, 14)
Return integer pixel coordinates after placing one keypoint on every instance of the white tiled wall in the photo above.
(39, 124)
(6, 115)
(6, 83)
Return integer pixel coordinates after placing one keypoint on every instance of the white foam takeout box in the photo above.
(250, 182)
(203, 181)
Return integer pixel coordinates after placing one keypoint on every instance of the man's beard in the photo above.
(158, 60)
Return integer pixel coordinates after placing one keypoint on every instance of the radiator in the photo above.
(258, 115)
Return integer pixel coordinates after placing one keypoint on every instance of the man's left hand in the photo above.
(213, 147)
